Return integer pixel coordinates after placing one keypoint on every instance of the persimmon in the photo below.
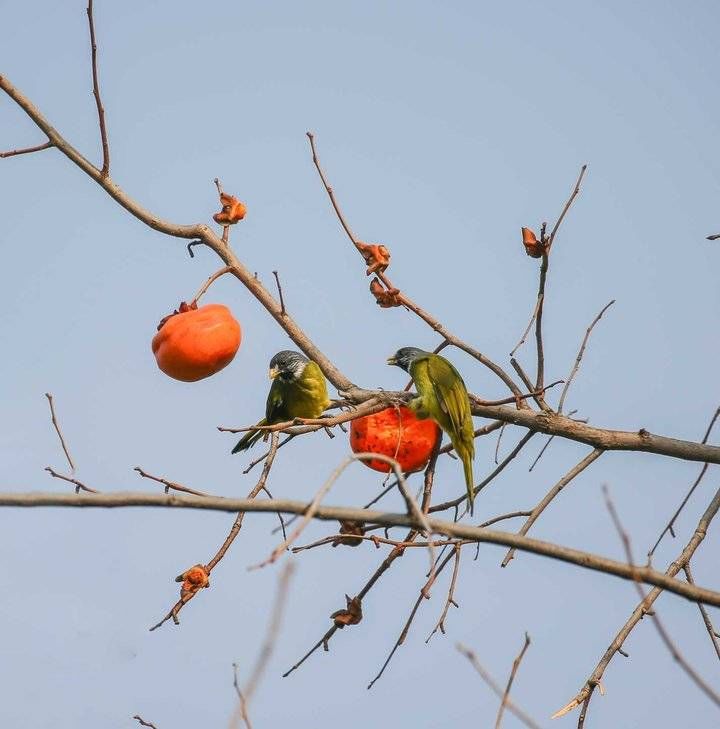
(196, 342)
(404, 437)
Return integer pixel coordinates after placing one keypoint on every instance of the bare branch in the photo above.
(450, 600)
(59, 433)
(268, 645)
(79, 486)
(662, 632)
(456, 502)
(143, 722)
(234, 530)
(344, 513)
(642, 609)
(494, 686)
(554, 491)
(568, 204)
(96, 93)
(280, 293)
(170, 485)
(209, 282)
(704, 613)
(669, 526)
(26, 150)
(514, 670)
(404, 300)
(580, 353)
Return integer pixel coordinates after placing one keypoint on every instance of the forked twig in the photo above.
(96, 93)
(511, 679)
(266, 650)
(494, 686)
(59, 432)
(580, 353)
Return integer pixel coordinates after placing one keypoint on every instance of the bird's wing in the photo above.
(449, 390)
(275, 407)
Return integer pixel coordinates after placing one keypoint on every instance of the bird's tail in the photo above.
(249, 439)
(466, 456)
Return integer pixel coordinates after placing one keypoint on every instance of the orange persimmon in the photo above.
(407, 439)
(194, 343)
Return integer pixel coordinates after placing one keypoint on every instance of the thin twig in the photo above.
(436, 570)
(568, 204)
(495, 687)
(207, 284)
(234, 531)
(143, 722)
(456, 502)
(241, 698)
(26, 150)
(280, 294)
(662, 632)
(514, 670)
(539, 380)
(79, 486)
(577, 469)
(450, 600)
(497, 445)
(59, 433)
(267, 647)
(527, 330)
(704, 613)
(96, 93)
(643, 608)
(669, 526)
(169, 485)
(580, 353)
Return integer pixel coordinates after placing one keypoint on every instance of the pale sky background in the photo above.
(444, 129)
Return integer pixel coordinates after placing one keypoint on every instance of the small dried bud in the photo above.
(354, 531)
(533, 247)
(193, 580)
(376, 255)
(232, 210)
(385, 298)
(352, 615)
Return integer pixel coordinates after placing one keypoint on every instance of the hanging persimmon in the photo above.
(396, 433)
(195, 342)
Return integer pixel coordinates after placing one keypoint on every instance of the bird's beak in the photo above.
(273, 373)
(391, 360)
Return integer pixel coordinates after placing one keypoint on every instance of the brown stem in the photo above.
(59, 432)
(554, 491)
(26, 150)
(580, 353)
(96, 93)
(514, 670)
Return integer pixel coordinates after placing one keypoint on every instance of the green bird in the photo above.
(442, 396)
(298, 390)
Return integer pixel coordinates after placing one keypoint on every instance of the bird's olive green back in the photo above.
(305, 397)
(443, 392)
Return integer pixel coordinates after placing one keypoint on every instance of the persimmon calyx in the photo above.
(376, 255)
(351, 615)
(533, 247)
(184, 307)
(193, 580)
(384, 298)
(232, 210)
(352, 532)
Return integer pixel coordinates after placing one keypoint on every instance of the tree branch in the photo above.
(344, 513)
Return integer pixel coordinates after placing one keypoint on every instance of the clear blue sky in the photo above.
(444, 129)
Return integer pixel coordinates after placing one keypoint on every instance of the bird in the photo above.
(442, 396)
(298, 390)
